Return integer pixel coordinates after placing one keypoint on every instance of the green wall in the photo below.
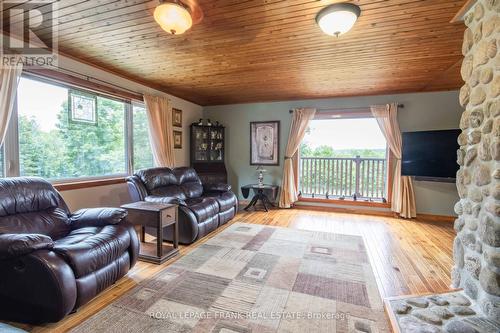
(422, 111)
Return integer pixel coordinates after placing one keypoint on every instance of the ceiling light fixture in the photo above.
(173, 16)
(337, 19)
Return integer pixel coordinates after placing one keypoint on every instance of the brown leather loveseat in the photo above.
(53, 262)
(202, 207)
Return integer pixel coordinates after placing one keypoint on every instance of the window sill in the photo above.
(347, 202)
(76, 185)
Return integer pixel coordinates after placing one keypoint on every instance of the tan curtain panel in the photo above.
(300, 121)
(9, 79)
(403, 196)
(161, 131)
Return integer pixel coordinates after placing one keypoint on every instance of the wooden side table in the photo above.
(262, 194)
(158, 216)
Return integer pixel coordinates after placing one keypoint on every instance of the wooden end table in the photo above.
(262, 194)
(158, 216)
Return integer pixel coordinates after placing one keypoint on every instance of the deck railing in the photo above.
(357, 178)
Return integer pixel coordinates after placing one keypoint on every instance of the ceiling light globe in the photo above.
(173, 18)
(338, 19)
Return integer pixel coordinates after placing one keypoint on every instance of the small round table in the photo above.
(262, 194)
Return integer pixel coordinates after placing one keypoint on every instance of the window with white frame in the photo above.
(344, 157)
(143, 156)
(61, 133)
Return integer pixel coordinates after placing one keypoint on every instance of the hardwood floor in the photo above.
(408, 257)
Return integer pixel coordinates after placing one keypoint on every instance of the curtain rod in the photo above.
(91, 78)
(401, 106)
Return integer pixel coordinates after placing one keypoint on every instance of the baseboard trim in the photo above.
(436, 218)
(360, 211)
(346, 202)
(346, 210)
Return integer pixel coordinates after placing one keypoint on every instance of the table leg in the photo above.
(269, 202)
(176, 230)
(263, 200)
(143, 234)
(252, 202)
(159, 240)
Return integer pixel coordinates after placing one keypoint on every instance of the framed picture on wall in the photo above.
(178, 139)
(265, 143)
(177, 117)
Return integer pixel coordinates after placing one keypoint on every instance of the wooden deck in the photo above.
(408, 257)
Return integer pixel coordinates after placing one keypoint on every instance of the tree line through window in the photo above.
(54, 146)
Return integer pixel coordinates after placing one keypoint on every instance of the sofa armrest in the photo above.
(217, 187)
(39, 287)
(97, 217)
(15, 245)
(165, 200)
(136, 189)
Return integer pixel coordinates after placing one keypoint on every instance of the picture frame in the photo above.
(177, 139)
(177, 117)
(265, 142)
(82, 107)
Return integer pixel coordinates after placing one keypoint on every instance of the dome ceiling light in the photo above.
(337, 19)
(176, 17)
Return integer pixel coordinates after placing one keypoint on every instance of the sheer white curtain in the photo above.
(161, 131)
(403, 196)
(300, 121)
(9, 79)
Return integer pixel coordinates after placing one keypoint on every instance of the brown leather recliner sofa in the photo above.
(202, 207)
(53, 262)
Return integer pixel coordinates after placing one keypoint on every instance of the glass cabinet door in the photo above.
(216, 142)
(201, 143)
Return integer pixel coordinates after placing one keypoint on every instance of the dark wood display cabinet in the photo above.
(208, 153)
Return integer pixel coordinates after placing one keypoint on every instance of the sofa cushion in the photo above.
(89, 249)
(226, 200)
(155, 178)
(226, 216)
(216, 187)
(208, 226)
(53, 222)
(188, 180)
(32, 205)
(28, 195)
(185, 175)
(169, 191)
(192, 189)
(91, 285)
(203, 208)
(179, 182)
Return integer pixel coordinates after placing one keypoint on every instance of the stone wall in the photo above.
(477, 245)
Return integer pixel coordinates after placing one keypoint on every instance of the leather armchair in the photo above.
(202, 207)
(53, 262)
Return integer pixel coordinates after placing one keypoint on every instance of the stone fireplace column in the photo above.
(476, 248)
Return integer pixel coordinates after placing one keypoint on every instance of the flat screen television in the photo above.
(430, 155)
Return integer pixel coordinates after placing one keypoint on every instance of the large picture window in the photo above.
(344, 158)
(52, 137)
(51, 146)
(143, 156)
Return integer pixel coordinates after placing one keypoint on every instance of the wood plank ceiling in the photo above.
(264, 50)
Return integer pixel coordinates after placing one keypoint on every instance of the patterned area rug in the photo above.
(254, 278)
